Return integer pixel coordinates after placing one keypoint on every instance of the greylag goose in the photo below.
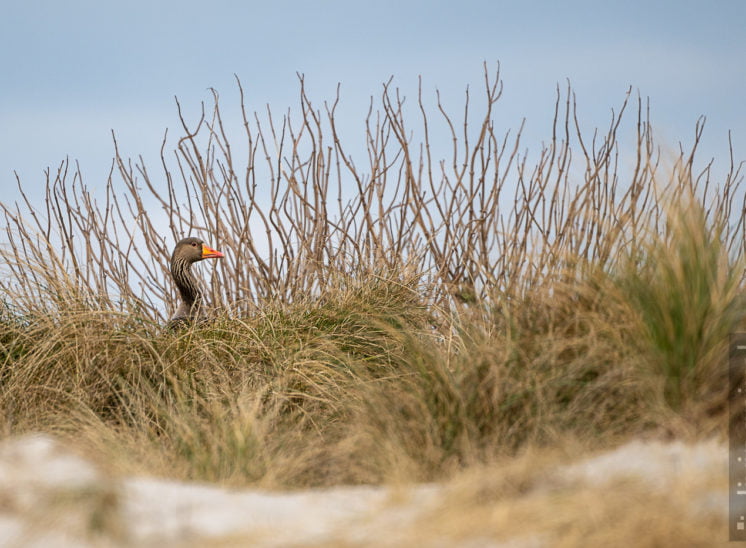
(187, 252)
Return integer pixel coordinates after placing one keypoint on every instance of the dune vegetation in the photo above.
(387, 317)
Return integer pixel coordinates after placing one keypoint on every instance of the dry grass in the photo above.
(518, 502)
(398, 321)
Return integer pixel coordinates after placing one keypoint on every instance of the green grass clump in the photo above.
(686, 297)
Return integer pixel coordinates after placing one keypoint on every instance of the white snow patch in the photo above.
(160, 510)
(659, 464)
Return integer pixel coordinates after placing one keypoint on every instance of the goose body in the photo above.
(187, 252)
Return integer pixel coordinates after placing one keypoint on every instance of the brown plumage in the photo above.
(187, 252)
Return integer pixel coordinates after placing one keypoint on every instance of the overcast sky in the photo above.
(73, 70)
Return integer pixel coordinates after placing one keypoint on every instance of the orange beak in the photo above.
(210, 253)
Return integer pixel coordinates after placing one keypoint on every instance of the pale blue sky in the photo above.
(73, 70)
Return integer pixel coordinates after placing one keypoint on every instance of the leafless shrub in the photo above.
(480, 223)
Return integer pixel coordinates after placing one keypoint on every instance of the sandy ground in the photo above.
(50, 496)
